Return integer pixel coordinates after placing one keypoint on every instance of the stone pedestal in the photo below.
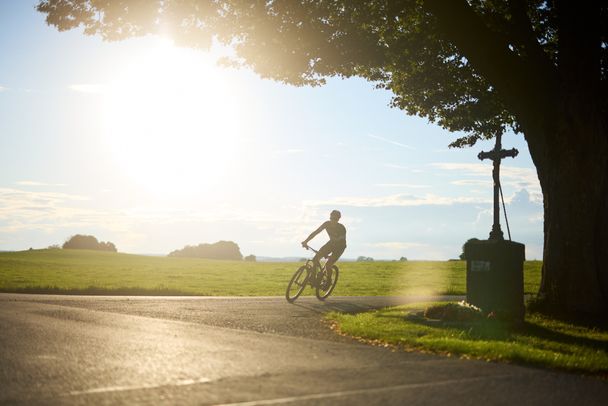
(495, 277)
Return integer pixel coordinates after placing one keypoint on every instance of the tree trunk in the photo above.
(561, 107)
(573, 171)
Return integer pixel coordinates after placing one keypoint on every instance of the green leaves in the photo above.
(396, 44)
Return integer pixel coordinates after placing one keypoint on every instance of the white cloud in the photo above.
(510, 176)
(398, 200)
(397, 245)
(484, 216)
(2, 88)
(289, 151)
(479, 169)
(390, 141)
(35, 183)
(401, 167)
(472, 182)
(22, 210)
(51, 213)
(526, 204)
(406, 185)
(94, 88)
(61, 214)
(280, 226)
(395, 166)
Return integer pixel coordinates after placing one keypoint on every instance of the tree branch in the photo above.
(521, 29)
(525, 93)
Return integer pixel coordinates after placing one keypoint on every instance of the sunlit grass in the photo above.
(77, 271)
(539, 341)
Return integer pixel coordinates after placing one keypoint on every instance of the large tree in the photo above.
(478, 66)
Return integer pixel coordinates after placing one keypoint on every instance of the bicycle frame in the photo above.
(321, 264)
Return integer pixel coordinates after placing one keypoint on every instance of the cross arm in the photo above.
(498, 155)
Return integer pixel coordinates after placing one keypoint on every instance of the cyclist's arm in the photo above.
(314, 233)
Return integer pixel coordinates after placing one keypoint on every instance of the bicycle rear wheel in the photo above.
(297, 284)
(327, 284)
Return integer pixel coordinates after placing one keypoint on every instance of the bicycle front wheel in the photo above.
(327, 284)
(297, 284)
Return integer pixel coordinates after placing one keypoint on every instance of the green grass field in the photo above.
(92, 272)
(539, 341)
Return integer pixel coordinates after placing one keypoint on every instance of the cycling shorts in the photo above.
(336, 249)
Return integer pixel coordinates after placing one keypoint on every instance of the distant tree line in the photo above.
(87, 242)
(370, 259)
(219, 250)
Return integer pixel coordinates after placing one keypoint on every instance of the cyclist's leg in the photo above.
(323, 252)
(333, 258)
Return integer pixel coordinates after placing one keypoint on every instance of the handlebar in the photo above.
(312, 249)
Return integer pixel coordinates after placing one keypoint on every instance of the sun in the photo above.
(170, 121)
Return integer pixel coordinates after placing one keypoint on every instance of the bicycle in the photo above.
(319, 280)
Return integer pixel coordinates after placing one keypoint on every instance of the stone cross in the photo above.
(496, 155)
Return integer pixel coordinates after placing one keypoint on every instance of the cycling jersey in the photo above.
(336, 232)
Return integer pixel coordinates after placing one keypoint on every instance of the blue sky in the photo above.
(154, 147)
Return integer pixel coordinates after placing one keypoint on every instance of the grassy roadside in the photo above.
(94, 272)
(540, 341)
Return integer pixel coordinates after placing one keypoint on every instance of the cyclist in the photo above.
(336, 244)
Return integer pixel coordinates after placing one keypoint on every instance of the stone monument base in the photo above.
(495, 277)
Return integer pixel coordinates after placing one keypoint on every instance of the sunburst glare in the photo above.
(170, 122)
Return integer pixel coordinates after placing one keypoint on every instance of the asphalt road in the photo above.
(240, 351)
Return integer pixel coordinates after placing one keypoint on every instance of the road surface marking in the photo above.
(182, 382)
(359, 391)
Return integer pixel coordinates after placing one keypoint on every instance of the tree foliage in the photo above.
(219, 250)
(462, 256)
(401, 45)
(88, 242)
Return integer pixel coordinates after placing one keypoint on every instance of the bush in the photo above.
(403, 259)
(365, 259)
(87, 242)
(219, 250)
(250, 258)
(461, 256)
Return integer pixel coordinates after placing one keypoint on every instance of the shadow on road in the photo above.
(343, 307)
